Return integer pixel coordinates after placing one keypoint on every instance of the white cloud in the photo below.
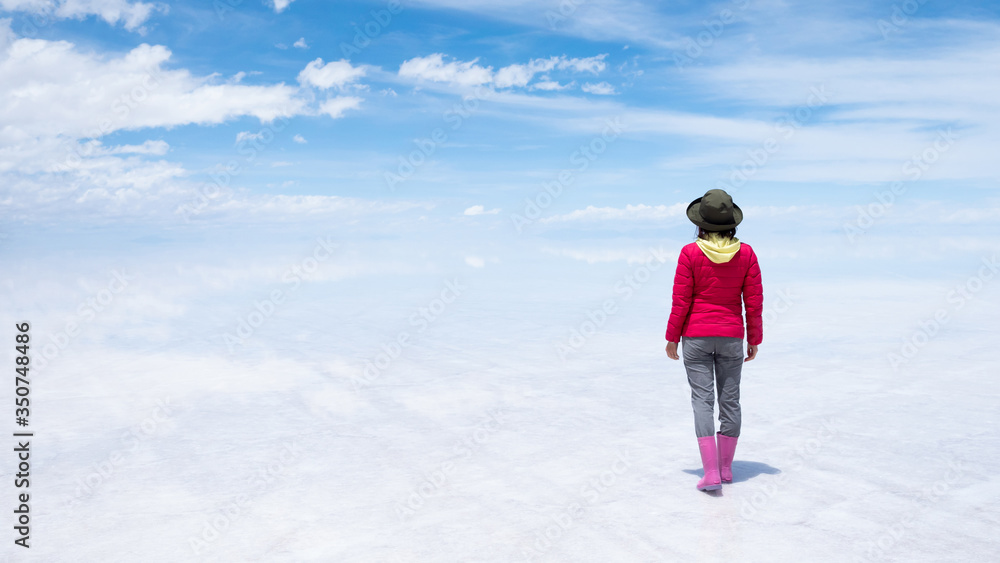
(301, 43)
(480, 210)
(51, 89)
(57, 102)
(130, 14)
(335, 107)
(550, 85)
(333, 74)
(513, 75)
(433, 68)
(601, 88)
(520, 75)
(248, 136)
(593, 65)
(300, 139)
(280, 5)
(468, 73)
(475, 261)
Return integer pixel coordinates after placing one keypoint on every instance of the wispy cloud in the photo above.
(157, 148)
(550, 85)
(469, 73)
(434, 68)
(130, 14)
(603, 20)
(600, 88)
(519, 75)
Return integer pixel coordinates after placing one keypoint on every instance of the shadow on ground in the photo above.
(743, 470)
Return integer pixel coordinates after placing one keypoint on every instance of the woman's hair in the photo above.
(702, 233)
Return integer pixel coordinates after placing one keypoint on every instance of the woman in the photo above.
(714, 274)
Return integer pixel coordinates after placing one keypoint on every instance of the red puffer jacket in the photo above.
(707, 296)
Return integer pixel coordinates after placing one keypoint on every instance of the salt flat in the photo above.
(482, 439)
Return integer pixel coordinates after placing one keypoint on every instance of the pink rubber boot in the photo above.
(710, 462)
(727, 448)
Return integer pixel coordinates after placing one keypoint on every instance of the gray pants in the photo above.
(714, 362)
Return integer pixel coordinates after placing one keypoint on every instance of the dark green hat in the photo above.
(715, 211)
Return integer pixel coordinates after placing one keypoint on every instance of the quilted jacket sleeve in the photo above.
(683, 295)
(753, 301)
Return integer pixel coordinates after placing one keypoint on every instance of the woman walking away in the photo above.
(714, 274)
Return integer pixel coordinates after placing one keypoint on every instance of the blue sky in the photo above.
(446, 119)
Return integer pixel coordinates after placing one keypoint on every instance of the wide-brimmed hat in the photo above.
(715, 211)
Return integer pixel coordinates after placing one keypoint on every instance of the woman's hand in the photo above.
(672, 351)
(751, 352)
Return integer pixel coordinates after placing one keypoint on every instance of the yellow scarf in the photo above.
(719, 249)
